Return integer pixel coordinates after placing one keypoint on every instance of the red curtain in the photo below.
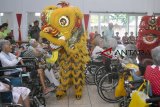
(86, 20)
(19, 17)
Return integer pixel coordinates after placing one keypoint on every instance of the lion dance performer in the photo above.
(62, 26)
(148, 37)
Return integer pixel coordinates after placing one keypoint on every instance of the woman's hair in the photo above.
(2, 43)
(156, 55)
(131, 51)
(96, 40)
(32, 41)
(5, 24)
(1, 27)
(36, 21)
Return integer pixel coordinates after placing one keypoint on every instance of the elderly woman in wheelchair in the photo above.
(9, 59)
(20, 95)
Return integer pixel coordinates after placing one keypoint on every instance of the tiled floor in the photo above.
(90, 99)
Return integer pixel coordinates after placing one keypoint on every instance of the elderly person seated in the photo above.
(125, 39)
(35, 47)
(41, 54)
(20, 94)
(152, 72)
(96, 52)
(9, 59)
(131, 54)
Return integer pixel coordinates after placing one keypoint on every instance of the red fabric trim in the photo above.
(19, 17)
(86, 20)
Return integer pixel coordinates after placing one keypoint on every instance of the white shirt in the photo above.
(95, 53)
(109, 33)
(8, 60)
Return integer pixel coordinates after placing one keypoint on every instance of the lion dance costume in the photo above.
(62, 26)
(148, 36)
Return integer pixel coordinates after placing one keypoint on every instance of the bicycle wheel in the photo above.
(106, 87)
(99, 74)
(90, 72)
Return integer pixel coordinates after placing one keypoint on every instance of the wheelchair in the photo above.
(30, 81)
(6, 97)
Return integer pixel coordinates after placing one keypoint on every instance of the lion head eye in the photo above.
(64, 21)
(150, 38)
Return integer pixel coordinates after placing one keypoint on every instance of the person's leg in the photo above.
(27, 102)
(17, 98)
(51, 77)
(42, 80)
(41, 76)
(20, 101)
(24, 95)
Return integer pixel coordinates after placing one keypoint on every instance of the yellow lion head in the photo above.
(62, 25)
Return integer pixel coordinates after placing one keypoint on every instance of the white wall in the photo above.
(25, 6)
(85, 5)
(7, 18)
(31, 18)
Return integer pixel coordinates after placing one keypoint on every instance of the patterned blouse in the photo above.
(152, 74)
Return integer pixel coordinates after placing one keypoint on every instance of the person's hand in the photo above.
(24, 69)
(18, 53)
(8, 88)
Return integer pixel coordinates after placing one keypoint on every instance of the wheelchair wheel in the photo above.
(90, 72)
(99, 74)
(38, 102)
(42, 100)
(34, 103)
(124, 103)
(106, 87)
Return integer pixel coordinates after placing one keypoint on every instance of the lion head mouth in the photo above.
(54, 33)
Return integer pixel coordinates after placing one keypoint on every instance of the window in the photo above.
(94, 23)
(38, 14)
(132, 25)
(103, 23)
(122, 22)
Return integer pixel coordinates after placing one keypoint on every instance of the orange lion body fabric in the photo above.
(62, 26)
